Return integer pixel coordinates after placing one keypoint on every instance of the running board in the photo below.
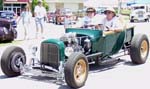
(95, 54)
(109, 61)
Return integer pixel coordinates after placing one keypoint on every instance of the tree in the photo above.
(35, 2)
(1, 4)
(45, 4)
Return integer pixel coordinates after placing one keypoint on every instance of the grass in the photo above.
(126, 12)
(10, 43)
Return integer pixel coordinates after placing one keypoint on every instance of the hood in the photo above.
(93, 34)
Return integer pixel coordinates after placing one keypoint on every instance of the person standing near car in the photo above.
(26, 20)
(40, 14)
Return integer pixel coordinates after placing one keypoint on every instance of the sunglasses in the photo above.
(90, 12)
(108, 12)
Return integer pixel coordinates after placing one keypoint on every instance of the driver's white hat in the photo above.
(110, 9)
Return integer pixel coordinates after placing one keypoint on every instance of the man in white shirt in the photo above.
(40, 14)
(111, 22)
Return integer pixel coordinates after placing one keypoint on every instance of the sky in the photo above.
(96, 3)
(143, 1)
(138, 1)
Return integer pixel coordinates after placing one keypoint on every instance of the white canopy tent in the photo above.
(101, 3)
(106, 3)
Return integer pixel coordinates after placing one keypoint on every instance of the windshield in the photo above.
(6, 15)
(139, 7)
(100, 10)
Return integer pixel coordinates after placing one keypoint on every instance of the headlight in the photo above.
(68, 51)
(33, 49)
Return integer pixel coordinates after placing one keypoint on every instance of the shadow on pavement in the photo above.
(64, 87)
(100, 68)
(3, 77)
(45, 79)
(93, 68)
(129, 63)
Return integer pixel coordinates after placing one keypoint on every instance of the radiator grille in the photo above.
(50, 54)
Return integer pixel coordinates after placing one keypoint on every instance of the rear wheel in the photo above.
(139, 49)
(12, 59)
(76, 70)
(131, 20)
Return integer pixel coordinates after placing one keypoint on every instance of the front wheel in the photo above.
(146, 20)
(76, 70)
(131, 20)
(139, 49)
(12, 59)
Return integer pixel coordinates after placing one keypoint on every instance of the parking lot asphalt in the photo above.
(123, 75)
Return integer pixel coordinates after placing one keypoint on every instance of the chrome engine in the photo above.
(76, 43)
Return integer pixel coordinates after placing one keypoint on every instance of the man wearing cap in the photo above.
(111, 22)
(90, 20)
(40, 14)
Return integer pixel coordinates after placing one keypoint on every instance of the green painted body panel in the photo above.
(93, 34)
(129, 34)
(60, 45)
(108, 45)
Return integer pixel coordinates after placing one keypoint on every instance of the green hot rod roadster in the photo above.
(69, 57)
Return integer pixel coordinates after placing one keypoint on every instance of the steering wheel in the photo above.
(104, 28)
(89, 26)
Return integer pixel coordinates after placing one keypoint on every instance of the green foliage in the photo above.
(126, 12)
(35, 2)
(1, 4)
(45, 4)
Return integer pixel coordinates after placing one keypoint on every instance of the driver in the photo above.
(111, 22)
(90, 20)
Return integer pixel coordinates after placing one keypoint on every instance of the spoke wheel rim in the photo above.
(80, 71)
(144, 49)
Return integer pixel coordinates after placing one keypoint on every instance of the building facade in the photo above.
(14, 5)
(17, 5)
(58, 4)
